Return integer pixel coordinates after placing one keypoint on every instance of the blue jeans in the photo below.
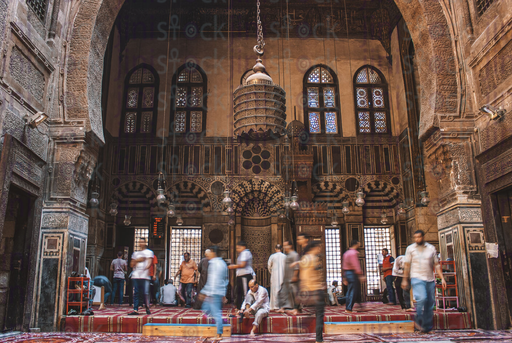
(118, 283)
(103, 281)
(140, 286)
(213, 305)
(186, 292)
(391, 291)
(354, 289)
(424, 294)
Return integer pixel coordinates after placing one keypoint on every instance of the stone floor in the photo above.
(437, 336)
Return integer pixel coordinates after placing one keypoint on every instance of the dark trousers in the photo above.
(354, 289)
(186, 292)
(319, 311)
(391, 291)
(141, 286)
(404, 297)
(242, 287)
(118, 283)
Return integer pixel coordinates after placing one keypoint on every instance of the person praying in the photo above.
(256, 303)
(276, 263)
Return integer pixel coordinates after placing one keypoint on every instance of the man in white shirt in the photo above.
(168, 294)
(420, 261)
(244, 272)
(141, 262)
(276, 264)
(256, 303)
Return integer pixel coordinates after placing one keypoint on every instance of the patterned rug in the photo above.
(437, 336)
(116, 319)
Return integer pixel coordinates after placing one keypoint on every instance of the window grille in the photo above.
(189, 100)
(332, 255)
(375, 239)
(483, 5)
(370, 91)
(39, 8)
(141, 233)
(184, 240)
(321, 104)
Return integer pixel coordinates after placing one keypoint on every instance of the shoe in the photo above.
(241, 319)
(188, 306)
(134, 313)
(147, 311)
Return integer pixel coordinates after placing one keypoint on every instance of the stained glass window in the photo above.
(314, 122)
(148, 95)
(130, 122)
(132, 98)
(364, 122)
(371, 95)
(313, 97)
(140, 104)
(181, 97)
(147, 122)
(329, 97)
(196, 121)
(331, 125)
(321, 92)
(189, 100)
(180, 120)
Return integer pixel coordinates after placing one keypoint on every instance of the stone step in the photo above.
(190, 330)
(390, 327)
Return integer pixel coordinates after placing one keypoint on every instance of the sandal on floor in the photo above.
(134, 313)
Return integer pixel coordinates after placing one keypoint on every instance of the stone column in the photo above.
(64, 225)
(457, 206)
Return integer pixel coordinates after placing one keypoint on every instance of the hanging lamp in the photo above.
(161, 196)
(127, 220)
(259, 103)
(345, 207)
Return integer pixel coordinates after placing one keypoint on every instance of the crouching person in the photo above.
(256, 303)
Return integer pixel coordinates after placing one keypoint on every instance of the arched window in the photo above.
(140, 101)
(189, 100)
(321, 101)
(372, 105)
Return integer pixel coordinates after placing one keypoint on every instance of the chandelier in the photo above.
(259, 103)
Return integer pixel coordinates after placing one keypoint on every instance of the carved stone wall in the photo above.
(496, 71)
(26, 74)
(259, 240)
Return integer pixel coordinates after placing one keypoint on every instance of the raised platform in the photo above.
(116, 319)
(185, 330)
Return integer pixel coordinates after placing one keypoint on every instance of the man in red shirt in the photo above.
(353, 275)
(387, 269)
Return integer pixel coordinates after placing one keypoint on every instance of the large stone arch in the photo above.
(190, 198)
(135, 197)
(256, 197)
(425, 19)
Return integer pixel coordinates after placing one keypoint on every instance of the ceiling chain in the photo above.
(258, 49)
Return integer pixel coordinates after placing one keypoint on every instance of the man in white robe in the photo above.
(276, 263)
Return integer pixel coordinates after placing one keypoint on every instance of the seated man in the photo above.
(168, 294)
(332, 291)
(257, 303)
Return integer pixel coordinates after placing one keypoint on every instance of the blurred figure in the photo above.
(119, 267)
(312, 284)
(188, 273)
(215, 288)
(302, 241)
(168, 294)
(276, 264)
(103, 281)
(244, 272)
(202, 268)
(398, 273)
(256, 303)
(353, 276)
(288, 291)
(154, 280)
(420, 261)
(387, 270)
(141, 262)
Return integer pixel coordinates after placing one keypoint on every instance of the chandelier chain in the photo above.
(261, 43)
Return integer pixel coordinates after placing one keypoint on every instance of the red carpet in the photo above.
(116, 319)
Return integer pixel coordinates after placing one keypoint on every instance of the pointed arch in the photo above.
(329, 192)
(189, 198)
(135, 197)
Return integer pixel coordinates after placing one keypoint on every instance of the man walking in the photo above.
(244, 272)
(276, 264)
(141, 262)
(256, 303)
(353, 275)
(420, 261)
(119, 267)
(398, 273)
(215, 288)
(288, 290)
(387, 270)
(188, 273)
(202, 268)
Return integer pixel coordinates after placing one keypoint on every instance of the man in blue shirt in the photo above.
(215, 288)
